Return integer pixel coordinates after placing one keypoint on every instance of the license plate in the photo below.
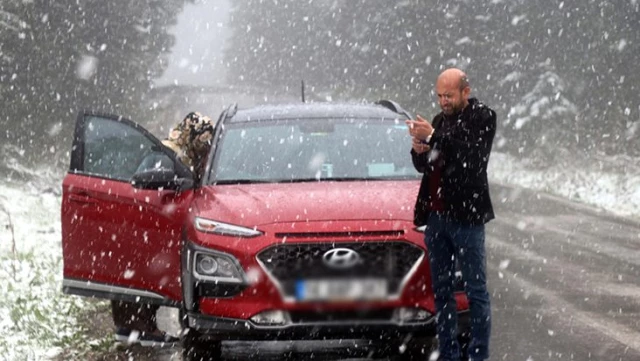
(341, 290)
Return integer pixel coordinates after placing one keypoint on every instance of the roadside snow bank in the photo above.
(609, 183)
(36, 318)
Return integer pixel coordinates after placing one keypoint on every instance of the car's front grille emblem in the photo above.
(289, 263)
(341, 258)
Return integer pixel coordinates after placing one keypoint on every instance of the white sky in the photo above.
(201, 32)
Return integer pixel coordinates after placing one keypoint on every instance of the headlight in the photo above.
(421, 229)
(217, 267)
(206, 265)
(224, 229)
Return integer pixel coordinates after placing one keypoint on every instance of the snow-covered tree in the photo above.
(58, 57)
(373, 49)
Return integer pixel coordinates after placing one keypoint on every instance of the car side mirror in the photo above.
(394, 107)
(160, 178)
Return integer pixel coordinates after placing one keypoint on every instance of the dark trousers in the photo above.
(447, 240)
(135, 316)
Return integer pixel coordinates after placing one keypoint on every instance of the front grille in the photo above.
(289, 263)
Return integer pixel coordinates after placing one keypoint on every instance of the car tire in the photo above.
(197, 348)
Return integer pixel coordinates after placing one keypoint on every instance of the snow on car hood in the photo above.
(259, 204)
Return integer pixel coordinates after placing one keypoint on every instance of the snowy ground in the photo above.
(36, 319)
(611, 184)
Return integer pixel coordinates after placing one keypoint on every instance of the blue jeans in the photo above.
(448, 240)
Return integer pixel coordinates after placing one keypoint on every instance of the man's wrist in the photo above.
(428, 139)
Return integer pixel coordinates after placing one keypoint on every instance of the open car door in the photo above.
(119, 241)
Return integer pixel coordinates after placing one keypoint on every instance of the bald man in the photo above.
(452, 152)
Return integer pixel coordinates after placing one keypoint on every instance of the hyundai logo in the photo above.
(341, 258)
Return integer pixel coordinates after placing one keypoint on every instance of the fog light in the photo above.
(273, 317)
(411, 314)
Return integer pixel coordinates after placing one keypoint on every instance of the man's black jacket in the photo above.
(464, 141)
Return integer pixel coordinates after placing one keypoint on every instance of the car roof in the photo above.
(314, 111)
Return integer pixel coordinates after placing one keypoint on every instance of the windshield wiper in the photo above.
(325, 179)
(243, 181)
(348, 179)
(311, 180)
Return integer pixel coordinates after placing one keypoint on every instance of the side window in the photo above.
(116, 150)
(155, 160)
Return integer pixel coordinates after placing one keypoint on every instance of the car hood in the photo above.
(258, 204)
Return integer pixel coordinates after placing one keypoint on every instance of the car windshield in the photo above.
(313, 150)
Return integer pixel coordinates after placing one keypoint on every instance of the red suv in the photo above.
(301, 226)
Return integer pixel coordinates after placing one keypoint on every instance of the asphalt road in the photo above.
(565, 285)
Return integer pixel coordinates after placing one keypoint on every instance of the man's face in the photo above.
(451, 98)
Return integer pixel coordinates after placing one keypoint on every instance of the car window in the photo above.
(313, 149)
(155, 160)
(116, 150)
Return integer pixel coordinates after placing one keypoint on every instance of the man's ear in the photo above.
(466, 91)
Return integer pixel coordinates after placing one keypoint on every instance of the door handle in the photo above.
(82, 198)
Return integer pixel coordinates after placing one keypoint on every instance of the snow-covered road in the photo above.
(565, 280)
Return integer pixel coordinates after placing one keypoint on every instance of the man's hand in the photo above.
(418, 146)
(419, 128)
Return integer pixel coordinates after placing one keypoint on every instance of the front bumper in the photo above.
(219, 328)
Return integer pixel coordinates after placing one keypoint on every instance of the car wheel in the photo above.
(197, 348)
